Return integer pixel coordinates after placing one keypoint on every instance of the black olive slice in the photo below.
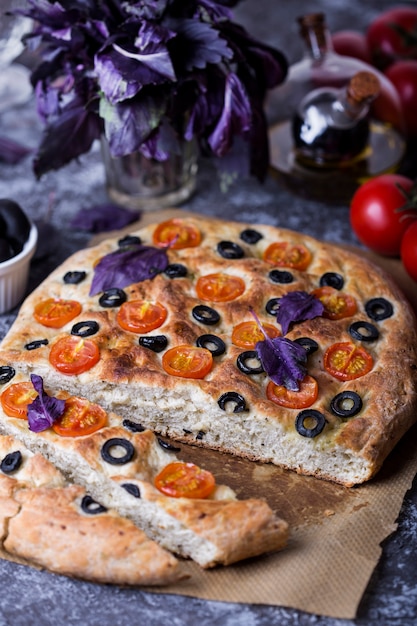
(332, 279)
(132, 489)
(272, 306)
(230, 250)
(73, 278)
(166, 445)
(112, 297)
(37, 343)
(249, 235)
(11, 462)
(282, 277)
(243, 359)
(134, 427)
(346, 404)
(156, 343)
(200, 435)
(308, 344)
(235, 398)
(205, 315)
(7, 372)
(129, 240)
(316, 417)
(379, 309)
(213, 343)
(85, 329)
(90, 506)
(176, 270)
(364, 331)
(117, 442)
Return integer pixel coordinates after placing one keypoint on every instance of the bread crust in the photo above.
(348, 451)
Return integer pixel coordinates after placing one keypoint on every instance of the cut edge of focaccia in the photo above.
(217, 530)
(55, 525)
(129, 378)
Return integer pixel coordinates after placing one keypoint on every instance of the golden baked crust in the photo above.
(130, 379)
(44, 523)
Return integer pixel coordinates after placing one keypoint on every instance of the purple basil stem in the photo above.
(128, 266)
(297, 306)
(45, 409)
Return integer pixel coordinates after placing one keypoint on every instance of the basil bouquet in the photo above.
(148, 74)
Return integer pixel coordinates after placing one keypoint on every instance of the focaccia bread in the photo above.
(128, 469)
(151, 327)
(58, 526)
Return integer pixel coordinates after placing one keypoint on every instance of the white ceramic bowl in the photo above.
(14, 274)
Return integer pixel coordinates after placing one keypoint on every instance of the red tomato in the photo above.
(283, 254)
(247, 334)
(177, 234)
(403, 75)
(351, 43)
(219, 287)
(374, 214)
(80, 417)
(15, 399)
(141, 316)
(393, 36)
(187, 361)
(74, 355)
(55, 313)
(409, 250)
(301, 399)
(337, 304)
(345, 361)
(185, 480)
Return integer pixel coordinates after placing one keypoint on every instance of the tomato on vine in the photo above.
(409, 250)
(381, 211)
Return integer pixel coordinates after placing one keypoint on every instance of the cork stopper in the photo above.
(363, 87)
(313, 25)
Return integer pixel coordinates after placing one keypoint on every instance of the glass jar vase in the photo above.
(139, 183)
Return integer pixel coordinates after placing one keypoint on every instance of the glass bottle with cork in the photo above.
(322, 67)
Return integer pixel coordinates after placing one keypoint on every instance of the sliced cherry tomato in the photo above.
(375, 212)
(185, 480)
(55, 313)
(74, 355)
(337, 304)
(187, 361)
(247, 334)
(301, 399)
(219, 287)
(409, 250)
(141, 316)
(15, 399)
(345, 361)
(80, 417)
(283, 254)
(177, 234)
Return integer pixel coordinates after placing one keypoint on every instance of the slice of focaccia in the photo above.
(126, 468)
(58, 526)
(253, 340)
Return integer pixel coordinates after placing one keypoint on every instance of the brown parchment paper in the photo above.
(336, 533)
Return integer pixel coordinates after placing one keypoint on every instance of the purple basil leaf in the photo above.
(235, 118)
(128, 266)
(11, 151)
(298, 306)
(283, 360)
(198, 44)
(68, 136)
(45, 409)
(103, 218)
